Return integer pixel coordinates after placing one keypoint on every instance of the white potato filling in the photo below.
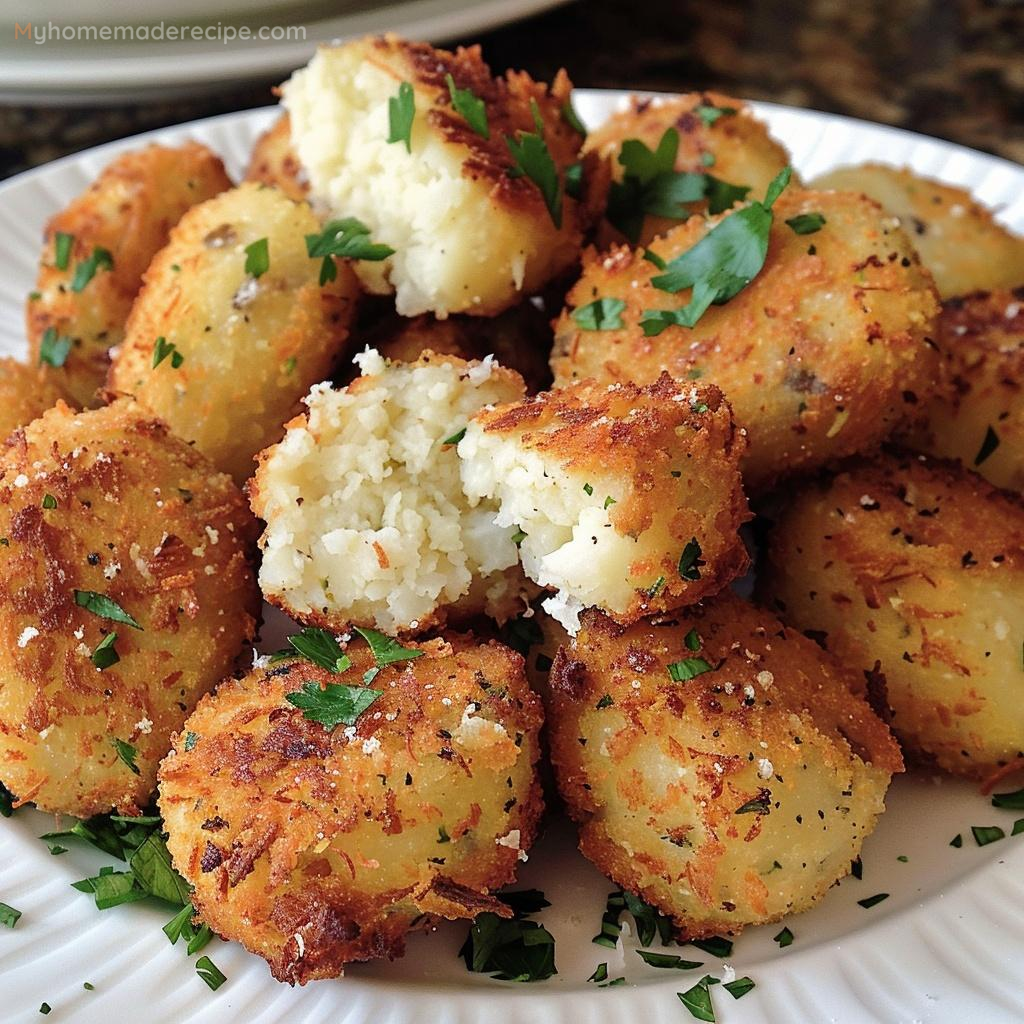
(570, 543)
(455, 248)
(365, 509)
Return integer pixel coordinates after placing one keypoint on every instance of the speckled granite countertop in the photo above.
(950, 68)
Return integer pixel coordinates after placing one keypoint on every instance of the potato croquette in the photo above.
(623, 498)
(223, 349)
(717, 135)
(97, 248)
(26, 392)
(978, 417)
(316, 846)
(475, 227)
(718, 764)
(126, 593)
(960, 242)
(911, 571)
(367, 522)
(520, 339)
(820, 355)
(273, 161)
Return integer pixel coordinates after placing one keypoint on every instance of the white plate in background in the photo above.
(947, 946)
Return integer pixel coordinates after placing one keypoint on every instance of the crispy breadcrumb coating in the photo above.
(26, 392)
(719, 765)
(316, 847)
(273, 161)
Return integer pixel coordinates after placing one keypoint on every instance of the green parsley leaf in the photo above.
(44, 1009)
(470, 106)
(692, 640)
(667, 960)
(111, 888)
(784, 938)
(56, 849)
(210, 973)
(49, 501)
(182, 926)
(903, 859)
(105, 653)
(738, 988)
(512, 950)
(88, 986)
(609, 501)
(688, 668)
(333, 704)
(101, 831)
(126, 752)
(6, 801)
(401, 112)
(652, 257)
(1018, 827)
(161, 350)
(655, 588)
(456, 437)
(720, 265)
(985, 834)
(151, 866)
(53, 348)
(605, 702)
(698, 1000)
(348, 238)
(988, 446)
(386, 650)
(532, 158)
(600, 973)
(759, 805)
(1009, 801)
(257, 257)
(710, 114)
(9, 917)
(289, 365)
(603, 314)
(721, 195)
(872, 901)
(806, 223)
(691, 560)
(857, 868)
(62, 243)
(957, 841)
(104, 607)
(716, 946)
(86, 270)
(518, 537)
(610, 927)
(649, 921)
(572, 119)
(588, 489)
(320, 647)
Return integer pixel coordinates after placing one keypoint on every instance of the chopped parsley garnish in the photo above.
(720, 265)
(522, 632)
(191, 739)
(49, 501)
(62, 243)
(688, 668)
(104, 607)
(985, 834)
(105, 653)
(1009, 801)
(1018, 827)
(988, 446)
(86, 270)
(649, 922)
(600, 315)
(518, 537)
(721, 195)
(442, 835)
(872, 901)
(210, 973)
(151, 866)
(332, 704)
(738, 988)
(667, 960)
(126, 752)
(456, 437)
(609, 501)
(806, 223)
(386, 651)
(532, 159)
(470, 106)
(348, 238)
(53, 348)
(957, 841)
(857, 868)
(784, 938)
(161, 350)
(605, 702)
(600, 973)
(691, 560)
(9, 917)
(513, 949)
(44, 1009)
(401, 111)
(572, 119)
(759, 805)
(656, 588)
(710, 114)
(692, 640)
(6, 801)
(257, 257)
(698, 999)
(320, 647)
(716, 946)
(181, 926)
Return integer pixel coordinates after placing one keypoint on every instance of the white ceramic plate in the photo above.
(947, 946)
(88, 71)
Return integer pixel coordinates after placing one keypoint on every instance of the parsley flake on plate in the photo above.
(210, 973)
(739, 987)
(1010, 801)
(784, 938)
(515, 949)
(470, 106)
(985, 834)
(873, 901)
(667, 961)
(720, 265)
(401, 112)
(698, 999)
(9, 917)
(716, 946)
